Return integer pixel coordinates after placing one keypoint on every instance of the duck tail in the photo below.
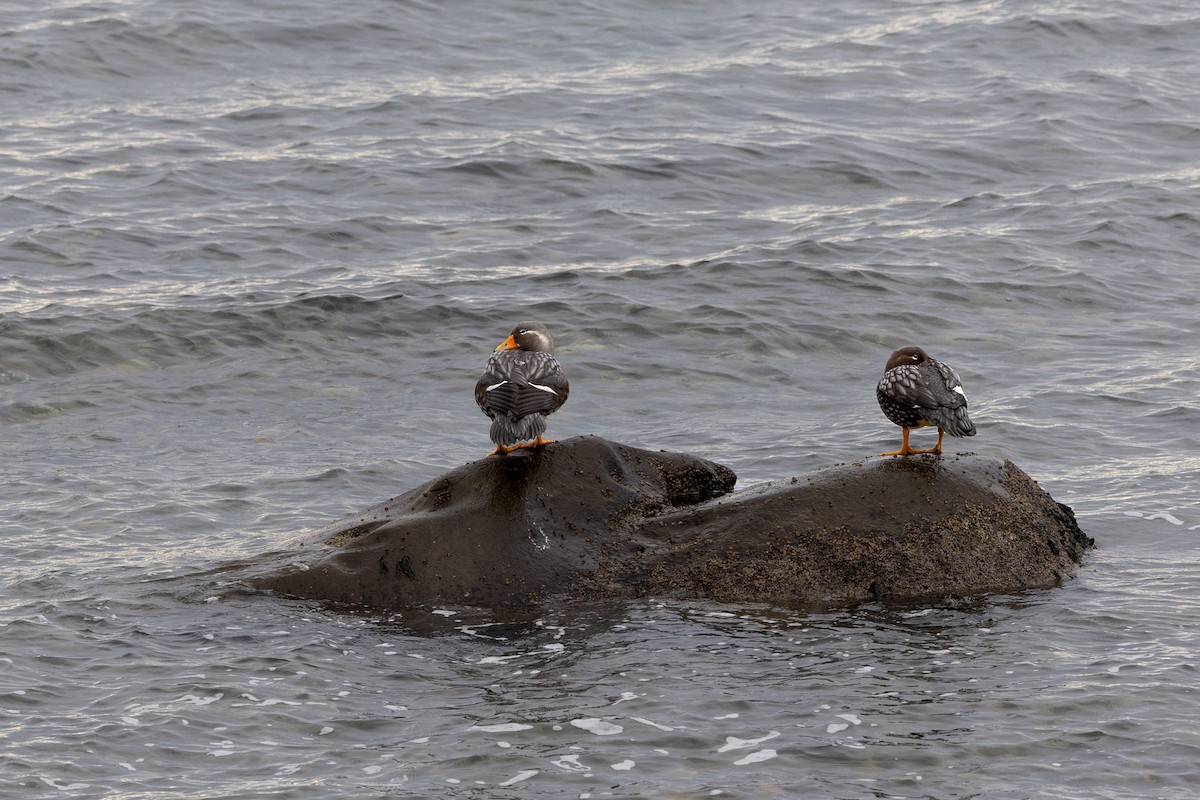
(507, 432)
(956, 422)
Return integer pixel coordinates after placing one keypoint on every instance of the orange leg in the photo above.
(937, 448)
(537, 442)
(905, 450)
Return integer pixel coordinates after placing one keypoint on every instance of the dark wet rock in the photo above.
(888, 528)
(586, 517)
(503, 530)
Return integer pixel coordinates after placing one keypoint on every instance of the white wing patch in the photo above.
(543, 388)
(495, 386)
(959, 389)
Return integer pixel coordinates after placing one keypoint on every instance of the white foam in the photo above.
(756, 757)
(734, 743)
(502, 727)
(497, 659)
(597, 726)
(623, 766)
(653, 724)
(66, 787)
(523, 775)
(570, 763)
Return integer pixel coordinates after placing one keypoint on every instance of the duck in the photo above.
(917, 391)
(521, 385)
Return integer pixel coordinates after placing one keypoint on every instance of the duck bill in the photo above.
(508, 344)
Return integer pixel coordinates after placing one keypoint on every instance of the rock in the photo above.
(888, 528)
(504, 530)
(586, 517)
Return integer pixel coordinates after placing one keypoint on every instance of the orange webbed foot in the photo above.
(905, 450)
(504, 450)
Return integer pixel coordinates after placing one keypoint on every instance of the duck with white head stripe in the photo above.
(521, 385)
(917, 391)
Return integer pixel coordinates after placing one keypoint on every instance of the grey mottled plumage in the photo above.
(917, 391)
(521, 385)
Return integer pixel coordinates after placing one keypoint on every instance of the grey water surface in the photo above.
(254, 254)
